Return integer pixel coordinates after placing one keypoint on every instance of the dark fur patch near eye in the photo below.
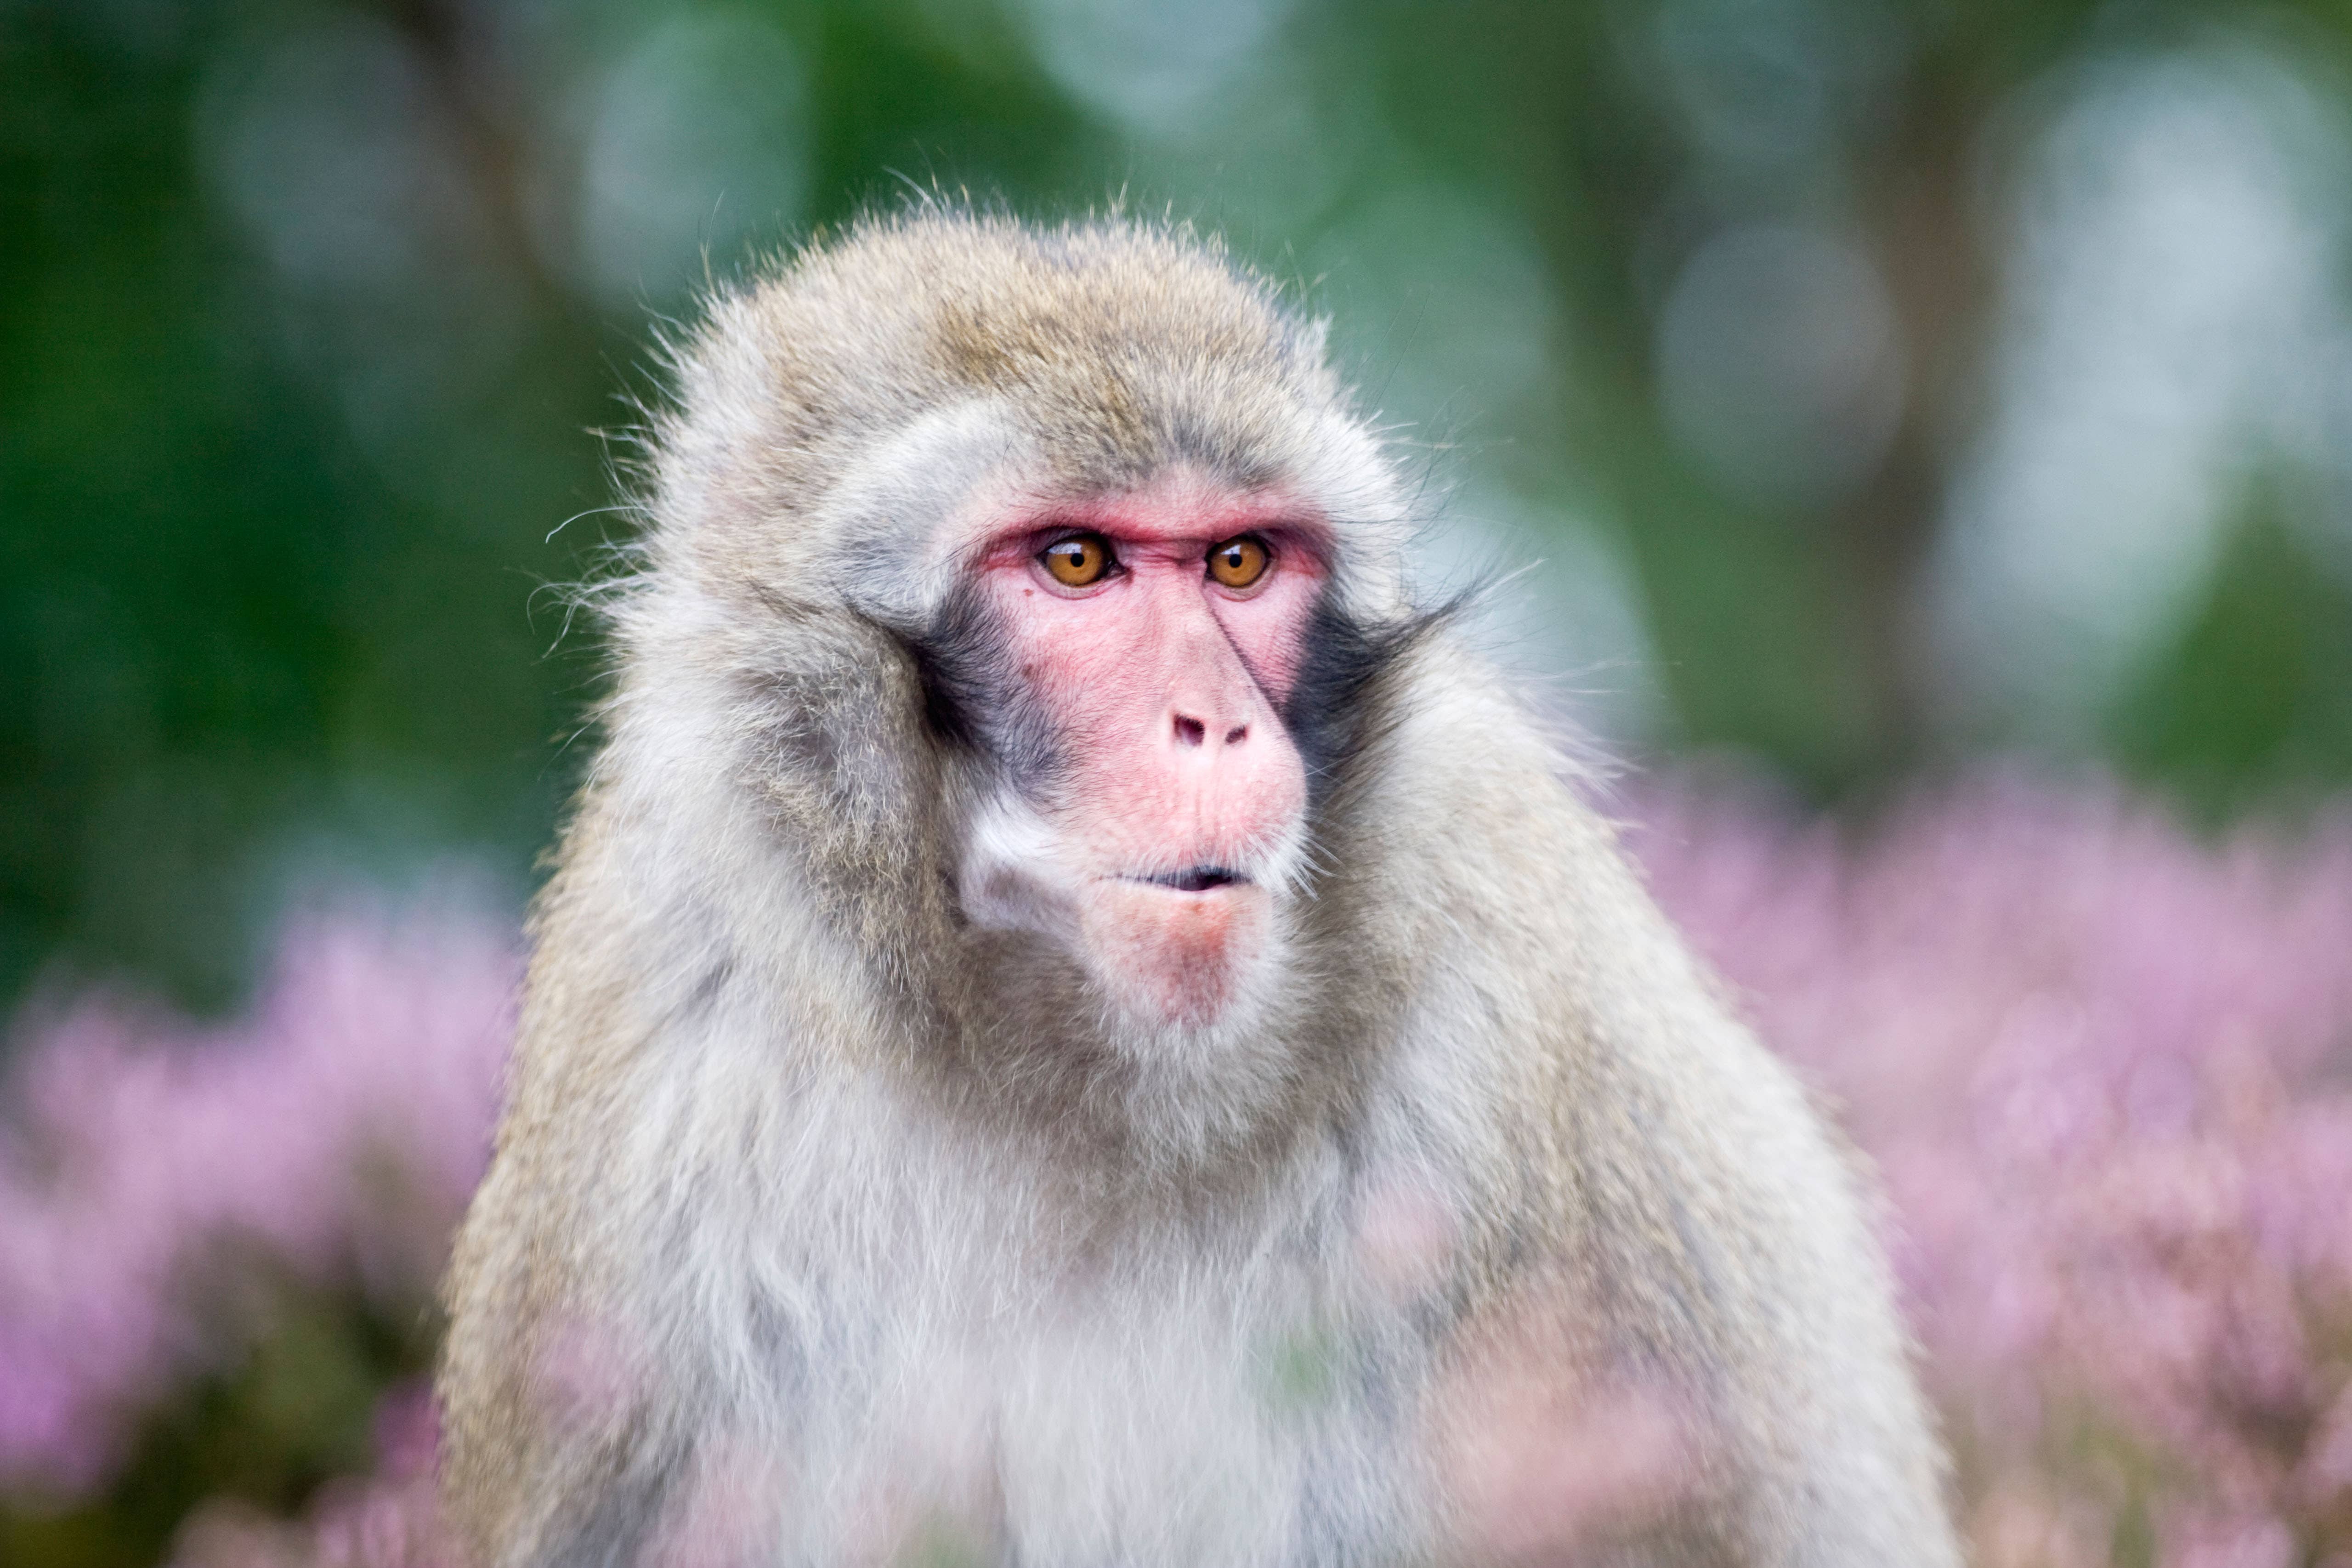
(949, 657)
(1329, 710)
(971, 703)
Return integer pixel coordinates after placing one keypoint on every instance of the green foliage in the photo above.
(277, 517)
(2253, 702)
(291, 1413)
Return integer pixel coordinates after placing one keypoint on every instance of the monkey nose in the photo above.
(1192, 732)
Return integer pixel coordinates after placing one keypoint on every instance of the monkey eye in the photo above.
(1078, 560)
(1241, 562)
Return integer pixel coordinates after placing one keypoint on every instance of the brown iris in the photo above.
(1239, 562)
(1078, 561)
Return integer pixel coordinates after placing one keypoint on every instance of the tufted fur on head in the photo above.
(835, 1219)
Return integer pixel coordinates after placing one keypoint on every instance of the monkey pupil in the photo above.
(1078, 561)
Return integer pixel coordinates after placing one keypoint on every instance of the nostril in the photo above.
(1191, 731)
(1236, 735)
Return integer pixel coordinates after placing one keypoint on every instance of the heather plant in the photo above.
(2105, 1072)
(2104, 1069)
(217, 1247)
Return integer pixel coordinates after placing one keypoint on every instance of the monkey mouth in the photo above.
(1193, 878)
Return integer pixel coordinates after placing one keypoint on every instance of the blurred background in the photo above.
(1873, 382)
(1866, 387)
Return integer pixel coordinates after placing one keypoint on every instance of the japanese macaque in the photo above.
(1076, 1022)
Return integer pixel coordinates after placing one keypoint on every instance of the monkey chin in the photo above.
(1168, 957)
(1172, 954)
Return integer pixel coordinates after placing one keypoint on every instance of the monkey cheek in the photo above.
(1172, 959)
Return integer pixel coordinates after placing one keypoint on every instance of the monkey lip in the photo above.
(1193, 878)
(1175, 946)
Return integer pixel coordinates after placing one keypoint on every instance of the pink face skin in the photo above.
(1166, 689)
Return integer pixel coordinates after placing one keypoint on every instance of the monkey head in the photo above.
(1099, 501)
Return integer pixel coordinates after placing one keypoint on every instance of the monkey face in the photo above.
(1152, 640)
(1048, 616)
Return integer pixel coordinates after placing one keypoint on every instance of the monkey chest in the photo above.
(1186, 1423)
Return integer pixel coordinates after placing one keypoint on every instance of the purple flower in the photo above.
(2105, 1073)
(338, 1131)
